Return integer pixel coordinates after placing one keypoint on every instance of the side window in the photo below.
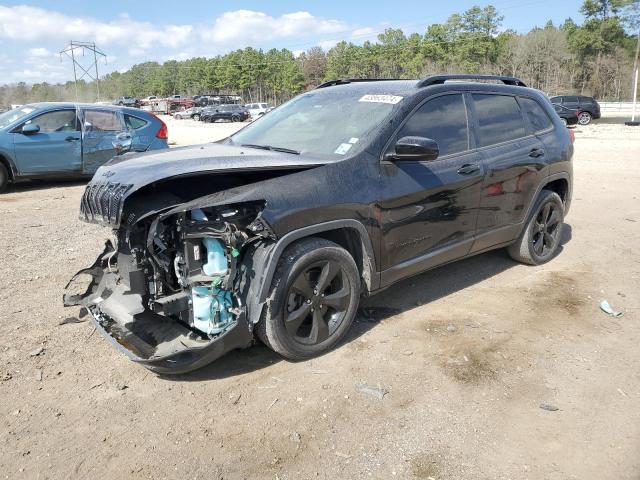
(102, 121)
(134, 123)
(58, 121)
(499, 118)
(555, 99)
(443, 119)
(536, 115)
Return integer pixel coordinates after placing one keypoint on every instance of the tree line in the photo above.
(594, 58)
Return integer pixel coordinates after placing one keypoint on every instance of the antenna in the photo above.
(73, 50)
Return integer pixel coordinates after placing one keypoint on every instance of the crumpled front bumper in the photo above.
(160, 343)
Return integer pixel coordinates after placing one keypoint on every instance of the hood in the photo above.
(139, 170)
(104, 198)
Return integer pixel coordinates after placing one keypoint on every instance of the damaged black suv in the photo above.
(278, 230)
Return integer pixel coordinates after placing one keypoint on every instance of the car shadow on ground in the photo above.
(30, 185)
(403, 296)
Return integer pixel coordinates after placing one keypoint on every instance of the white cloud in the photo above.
(132, 41)
(39, 52)
(26, 23)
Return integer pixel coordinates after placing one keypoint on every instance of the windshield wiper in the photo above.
(272, 148)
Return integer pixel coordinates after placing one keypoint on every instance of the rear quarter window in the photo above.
(536, 115)
(499, 118)
(134, 123)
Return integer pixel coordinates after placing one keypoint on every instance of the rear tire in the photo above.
(540, 238)
(584, 118)
(235, 118)
(196, 117)
(314, 298)
(4, 178)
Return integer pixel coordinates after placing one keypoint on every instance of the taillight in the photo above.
(163, 132)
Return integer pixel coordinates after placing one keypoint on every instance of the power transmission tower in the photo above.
(76, 49)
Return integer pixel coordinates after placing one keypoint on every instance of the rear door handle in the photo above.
(468, 168)
(536, 152)
(71, 139)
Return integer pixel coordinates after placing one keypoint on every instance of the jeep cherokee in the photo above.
(278, 230)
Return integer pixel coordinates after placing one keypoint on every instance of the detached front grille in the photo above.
(102, 202)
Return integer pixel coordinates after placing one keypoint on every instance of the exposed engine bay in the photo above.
(174, 283)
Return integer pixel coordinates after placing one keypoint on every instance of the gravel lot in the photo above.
(468, 353)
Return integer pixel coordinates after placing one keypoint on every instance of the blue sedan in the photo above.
(66, 140)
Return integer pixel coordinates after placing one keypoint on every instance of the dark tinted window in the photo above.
(536, 115)
(586, 100)
(570, 99)
(133, 123)
(443, 119)
(499, 118)
(556, 99)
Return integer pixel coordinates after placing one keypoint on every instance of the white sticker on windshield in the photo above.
(354, 140)
(343, 148)
(392, 99)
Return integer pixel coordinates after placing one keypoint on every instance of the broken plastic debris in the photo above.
(379, 393)
(606, 308)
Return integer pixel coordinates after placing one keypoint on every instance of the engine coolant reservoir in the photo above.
(216, 258)
(211, 309)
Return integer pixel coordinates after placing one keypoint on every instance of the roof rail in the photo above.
(440, 79)
(344, 81)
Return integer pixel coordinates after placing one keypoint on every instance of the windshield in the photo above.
(320, 123)
(7, 118)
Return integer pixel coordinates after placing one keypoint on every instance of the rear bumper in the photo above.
(160, 343)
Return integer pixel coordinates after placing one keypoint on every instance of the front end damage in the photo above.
(171, 290)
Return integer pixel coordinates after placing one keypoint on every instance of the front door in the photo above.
(428, 209)
(100, 131)
(55, 148)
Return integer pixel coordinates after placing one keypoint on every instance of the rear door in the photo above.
(513, 159)
(428, 209)
(56, 148)
(571, 102)
(101, 129)
(140, 132)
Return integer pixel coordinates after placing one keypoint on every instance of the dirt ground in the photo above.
(468, 353)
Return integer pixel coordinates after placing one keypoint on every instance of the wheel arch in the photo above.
(8, 164)
(348, 233)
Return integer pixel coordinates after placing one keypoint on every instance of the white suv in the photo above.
(258, 109)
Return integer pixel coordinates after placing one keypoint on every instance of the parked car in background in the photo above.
(587, 106)
(193, 112)
(569, 117)
(232, 113)
(258, 109)
(150, 98)
(127, 102)
(50, 140)
(277, 231)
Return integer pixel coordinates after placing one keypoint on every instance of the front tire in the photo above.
(196, 117)
(539, 241)
(4, 178)
(584, 118)
(314, 298)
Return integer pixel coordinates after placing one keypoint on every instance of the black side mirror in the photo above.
(415, 148)
(30, 129)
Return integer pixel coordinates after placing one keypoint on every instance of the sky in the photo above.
(32, 34)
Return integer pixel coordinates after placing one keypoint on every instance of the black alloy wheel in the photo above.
(540, 238)
(544, 237)
(317, 302)
(313, 299)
